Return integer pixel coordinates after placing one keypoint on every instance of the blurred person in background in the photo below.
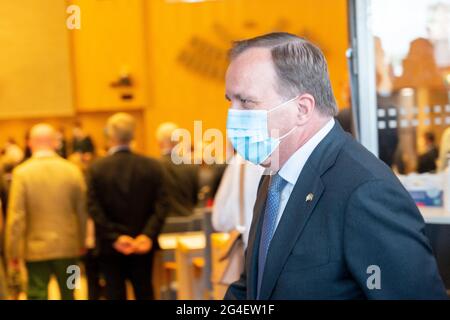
(444, 150)
(27, 152)
(12, 284)
(61, 149)
(95, 287)
(46, 216)
(7, 166)
(3, 280)
(345, 119)
(3, 192)
(233, 213)
(127, 199)
(12, 151)
(345, 114)
(389, 147)
(182, 179)
(427, 161)
(209, 175)
(82, 143)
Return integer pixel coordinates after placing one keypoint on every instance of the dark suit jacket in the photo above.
(4, 192)
(84, 145)
(360, 216)
(427, 161)
(182, 181)
(126, 196)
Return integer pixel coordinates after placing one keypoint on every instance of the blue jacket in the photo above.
(361, 237)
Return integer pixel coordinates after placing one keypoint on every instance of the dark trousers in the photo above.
(93, 275)
(118, 268)
(39, 273)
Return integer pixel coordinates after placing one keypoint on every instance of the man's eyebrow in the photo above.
(239, 97)
(236, 96)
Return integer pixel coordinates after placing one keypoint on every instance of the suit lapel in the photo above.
(298, 210)
(253, 240)
(291, 226)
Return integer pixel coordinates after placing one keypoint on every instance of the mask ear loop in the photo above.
(281, 105)
(285, 135)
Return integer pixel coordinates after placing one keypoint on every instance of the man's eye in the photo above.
(244, 101)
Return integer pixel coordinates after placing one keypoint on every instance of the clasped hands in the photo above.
(127, 245)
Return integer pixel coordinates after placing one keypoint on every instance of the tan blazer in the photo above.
(47, 211)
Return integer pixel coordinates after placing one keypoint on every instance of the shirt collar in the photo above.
(44, 154)
(116, 149)
(294, 166)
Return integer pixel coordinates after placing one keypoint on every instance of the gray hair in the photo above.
(300, 66)
(165, 130)
(121, 127)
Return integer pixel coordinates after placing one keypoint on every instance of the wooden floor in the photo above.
(80, 294)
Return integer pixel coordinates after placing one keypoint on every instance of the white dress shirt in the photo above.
(293, 167)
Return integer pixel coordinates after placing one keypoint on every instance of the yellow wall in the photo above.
(110, 42)
(182, 95)
(174, 78)
(35, 70)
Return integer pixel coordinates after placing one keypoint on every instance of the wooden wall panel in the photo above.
(35, 76)
(110, 42)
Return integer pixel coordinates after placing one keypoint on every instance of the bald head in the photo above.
(42, 137)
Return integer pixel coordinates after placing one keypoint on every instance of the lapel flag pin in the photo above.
(309, 197)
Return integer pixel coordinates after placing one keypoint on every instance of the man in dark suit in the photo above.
(82, 142)
(128, 203)
(332, 221)
(426, 162)
(182, 178)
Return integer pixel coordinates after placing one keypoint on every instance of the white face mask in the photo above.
(249, 133)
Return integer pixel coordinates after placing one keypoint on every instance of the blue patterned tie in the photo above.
(277, 184)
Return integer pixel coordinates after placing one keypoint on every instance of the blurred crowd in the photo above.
(64, 205)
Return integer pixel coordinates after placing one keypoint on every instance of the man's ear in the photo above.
(306, 105)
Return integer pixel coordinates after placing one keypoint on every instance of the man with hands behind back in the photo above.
(127, 200)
